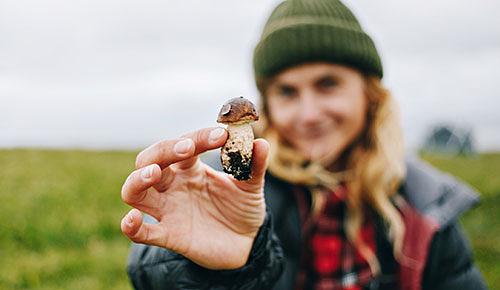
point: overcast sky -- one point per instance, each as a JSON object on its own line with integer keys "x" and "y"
{"x": 123, "y": 74}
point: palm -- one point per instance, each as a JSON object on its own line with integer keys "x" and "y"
{"x": 209, "y": 217}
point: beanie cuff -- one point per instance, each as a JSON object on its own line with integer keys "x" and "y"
{"x": 307, "y": 39}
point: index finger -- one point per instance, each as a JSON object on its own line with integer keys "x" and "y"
{"x": 167, "y": 152}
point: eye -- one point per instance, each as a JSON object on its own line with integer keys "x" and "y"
{"x": 326, "y": 83}
{"x": 286, "y": 91}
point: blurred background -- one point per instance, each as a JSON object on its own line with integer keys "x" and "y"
{"x": 86, "y": 84}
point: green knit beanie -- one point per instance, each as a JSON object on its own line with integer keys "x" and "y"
{"x": 300, "y": 31}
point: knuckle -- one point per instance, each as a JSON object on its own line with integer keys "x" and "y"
{"x": 140, "y": 236}
{"x": 136, "y": 239}
{"x": 197, "y": 137}
{"x": 139, "y": 160}
{"x": 201, "y": 136}
{"x": 126, "y": 190}
{"x": 126, "y": 196}
{"x": 161, "y": 149}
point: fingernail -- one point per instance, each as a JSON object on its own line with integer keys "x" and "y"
{"x": 147, "y": 172}
{"x": 215, "y": 135}
{"x": 183, "y": 146}
{"x": 129, "y": 220}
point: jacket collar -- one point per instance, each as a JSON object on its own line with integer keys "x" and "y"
{"x": 436, "y": 194}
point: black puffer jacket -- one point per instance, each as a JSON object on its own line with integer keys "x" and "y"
{"x": 434, "y": 200}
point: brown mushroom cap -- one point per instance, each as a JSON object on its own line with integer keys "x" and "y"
{"x": 238, "y": 110}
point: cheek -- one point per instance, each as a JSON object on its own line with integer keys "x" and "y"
{"x": 357, "y": 118}
{"x": 356, "y": 125}
{"x": 350, "y": 118}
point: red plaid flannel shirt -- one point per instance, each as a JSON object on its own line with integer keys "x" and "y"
{"x": 330, "y": 261}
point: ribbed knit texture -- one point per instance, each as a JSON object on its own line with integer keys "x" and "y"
{"x": 300, "y": 31}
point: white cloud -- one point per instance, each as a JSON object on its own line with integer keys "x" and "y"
{"x": 123, "y": 73}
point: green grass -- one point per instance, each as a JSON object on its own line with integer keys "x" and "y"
{"x": 482, "y": 223}
{"x": 60, "y": 213}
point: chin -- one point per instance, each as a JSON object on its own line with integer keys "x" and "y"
{"x": 313, "y": 152}
{"x": 327, "y": 155}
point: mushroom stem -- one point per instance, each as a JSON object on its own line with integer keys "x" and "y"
{"x": 236, "y": 154}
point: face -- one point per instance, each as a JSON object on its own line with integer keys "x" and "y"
{"x": 318, "y": 108}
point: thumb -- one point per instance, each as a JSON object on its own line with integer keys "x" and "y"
{"x": 260, "y": 156}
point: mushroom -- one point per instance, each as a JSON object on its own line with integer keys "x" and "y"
{"x": 236, "y": 154}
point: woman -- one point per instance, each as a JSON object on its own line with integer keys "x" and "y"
{"x": 342, "y": 207}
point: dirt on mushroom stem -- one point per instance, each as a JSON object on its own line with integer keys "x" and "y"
{"x": 236, "y": 154}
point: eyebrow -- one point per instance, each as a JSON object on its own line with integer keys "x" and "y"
{"x": 326, "y": 75}
{"x": 279, "y": 84}
{"x": 322, "y": 76}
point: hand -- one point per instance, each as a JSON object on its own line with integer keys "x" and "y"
{"x": 207, "y": 216}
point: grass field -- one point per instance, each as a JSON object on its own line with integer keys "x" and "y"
{"x": 60, "y": 213}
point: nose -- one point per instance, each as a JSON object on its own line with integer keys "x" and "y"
{"x": 310, "y": 110}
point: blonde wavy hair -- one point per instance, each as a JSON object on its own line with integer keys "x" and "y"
{"x": 374, "y": 171}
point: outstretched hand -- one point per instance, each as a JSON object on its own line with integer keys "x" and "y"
{"x": 207, "y": 216}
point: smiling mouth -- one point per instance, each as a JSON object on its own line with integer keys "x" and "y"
{"x": 313, "y": 134}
